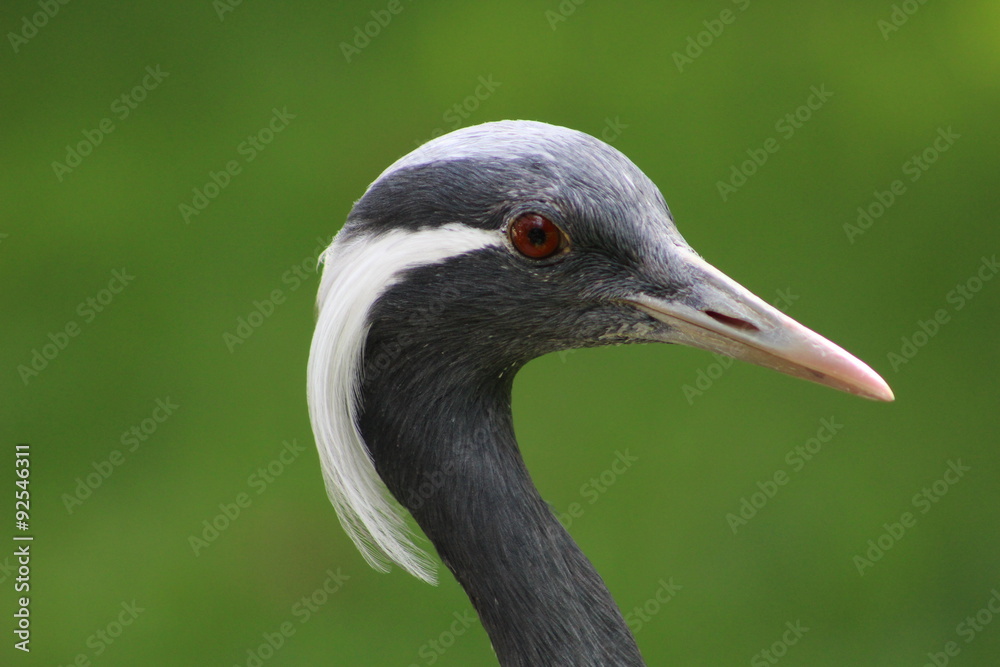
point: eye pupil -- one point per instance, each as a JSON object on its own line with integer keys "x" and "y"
{"x": 536, "y": 236}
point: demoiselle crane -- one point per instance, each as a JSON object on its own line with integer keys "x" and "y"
{"x": 465, "y": 259}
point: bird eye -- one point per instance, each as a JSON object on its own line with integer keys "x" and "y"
{"x": 536, "y": 236}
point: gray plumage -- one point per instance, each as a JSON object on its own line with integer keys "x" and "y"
{"x": 460, "y": 310}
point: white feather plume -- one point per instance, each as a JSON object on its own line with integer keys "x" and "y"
{"x": 357, "y": 269}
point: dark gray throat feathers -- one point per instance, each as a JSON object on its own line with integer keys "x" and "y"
{"x": 437, "y": 421}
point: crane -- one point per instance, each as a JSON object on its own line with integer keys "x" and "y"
{"x": 465, "y": 259}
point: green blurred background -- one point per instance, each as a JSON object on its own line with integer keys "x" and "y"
{"x": 609, "y": 69}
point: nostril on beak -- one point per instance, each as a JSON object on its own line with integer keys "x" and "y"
{"x": 733, "y": 322}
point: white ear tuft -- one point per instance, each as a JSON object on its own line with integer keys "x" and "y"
{"x": 357, "y": 270}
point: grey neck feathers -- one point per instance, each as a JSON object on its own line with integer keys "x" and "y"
{"x": 441, "y": 435}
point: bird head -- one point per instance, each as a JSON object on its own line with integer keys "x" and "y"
{"x": 560, "y": 241}
{"x": 496, "y": 244}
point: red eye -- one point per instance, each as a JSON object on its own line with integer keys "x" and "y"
{"x": 535, "y": 236}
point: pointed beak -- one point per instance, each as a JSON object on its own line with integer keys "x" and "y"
{"x": 720, "y": 315}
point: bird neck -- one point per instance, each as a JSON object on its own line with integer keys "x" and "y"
{"x": 446, "y": 450}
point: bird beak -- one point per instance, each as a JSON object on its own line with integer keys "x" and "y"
{"x": 730, "y": 320}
